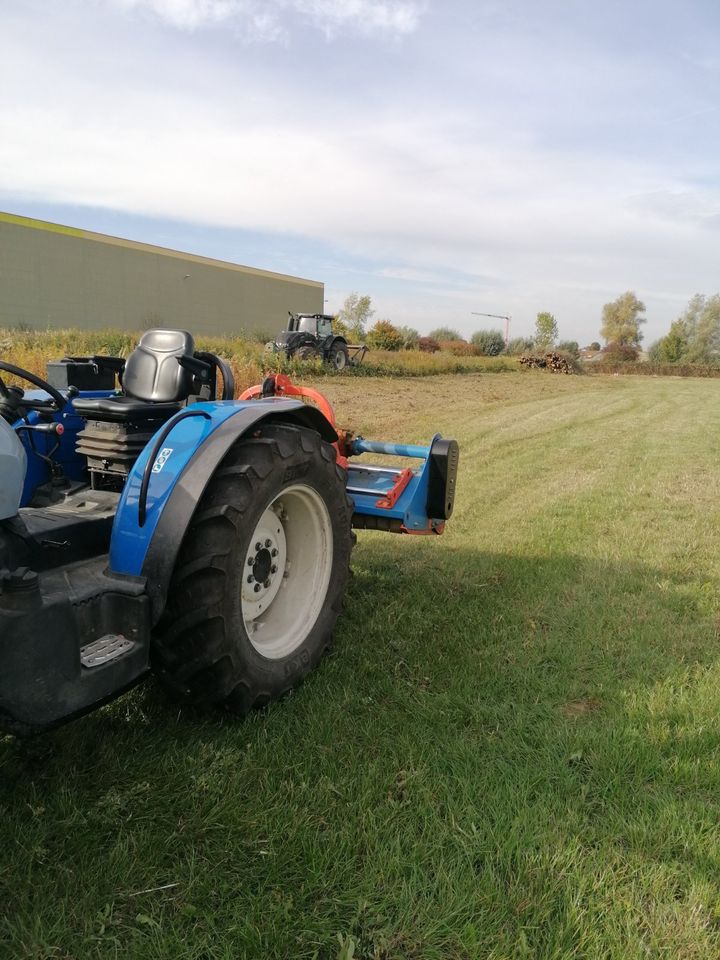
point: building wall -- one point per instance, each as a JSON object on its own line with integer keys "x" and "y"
{"x": 55, "y": 276}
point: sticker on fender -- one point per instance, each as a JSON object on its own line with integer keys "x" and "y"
{"x": 162, "y": 459}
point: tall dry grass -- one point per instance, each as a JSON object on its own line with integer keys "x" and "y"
{"x": 32, "y": 349}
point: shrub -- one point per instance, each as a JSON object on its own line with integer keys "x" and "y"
{"x": 428, "y": 345}
{"x": 459, "y": 348}
{"x": 655, "y": 351}
{"x": 594, "y": 346}
{"x": 410, "y": 338}
{"x": 384, "y": 336}
{"x": 520, "y": 345}
{"x": 620, "y": 353}
{"x": 570, "y": 347}
{"x": 489, "y": 343}
{"x": 444, "y": 333}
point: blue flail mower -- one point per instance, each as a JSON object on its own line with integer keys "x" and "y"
{"x": 401, "y": 498}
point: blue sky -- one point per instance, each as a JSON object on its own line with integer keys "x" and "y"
{"x": 443, "y": 157}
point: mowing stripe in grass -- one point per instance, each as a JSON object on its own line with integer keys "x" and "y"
{"x": 512, "y": 751}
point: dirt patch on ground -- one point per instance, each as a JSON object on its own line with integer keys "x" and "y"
{"x": 580, "y": 708}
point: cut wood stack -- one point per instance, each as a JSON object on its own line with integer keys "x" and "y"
{"x": 554, "y": 362}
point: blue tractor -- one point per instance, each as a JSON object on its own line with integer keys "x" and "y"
{"x": 150, "y": 521}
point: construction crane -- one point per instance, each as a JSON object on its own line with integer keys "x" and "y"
{"x": 498, "y": 316}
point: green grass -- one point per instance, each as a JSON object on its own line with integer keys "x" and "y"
{"x": 513, "y": 751}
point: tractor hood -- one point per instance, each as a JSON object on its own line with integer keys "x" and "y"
{"x": 282, "y": 338}
{"x": 13, "y": 463}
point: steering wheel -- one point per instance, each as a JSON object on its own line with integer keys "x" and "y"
{"x": 12, "y": 397}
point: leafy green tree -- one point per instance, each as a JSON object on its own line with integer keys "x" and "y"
{"x": 673, "y": 347}
{"x": 384, "y": 336}
{"x": 444, "y": 333}
{"x": 519, "y": 345}
{"x": 546, "y": 331}
{"x": 489, "y": 342}
{"x": 355, "y": 313}
{"x": 700, "y": 326}
{"x": 594, "y": 346}
{"x": 695, "y": 336}
{"x": 341, "y": 329}
{"x": 570, "y": 346}
{"x": 621, "y": 320}
{"x": 410, "y": 337}
{"x": 654, "y": 351}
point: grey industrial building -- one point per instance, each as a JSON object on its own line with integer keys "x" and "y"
{"x": 52, "y": 276}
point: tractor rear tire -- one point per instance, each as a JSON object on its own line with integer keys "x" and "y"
{"x": 339, "y": 356}
{"x": 306, "y": 353}
{"x": 262, "y": 571}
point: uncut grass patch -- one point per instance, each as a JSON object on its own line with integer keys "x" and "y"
{"x": 32, "y": 349}
{"x": 511, "y": 752}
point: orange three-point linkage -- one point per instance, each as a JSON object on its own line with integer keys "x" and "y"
{"x": 282, "y": 386}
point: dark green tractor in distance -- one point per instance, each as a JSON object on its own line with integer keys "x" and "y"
{"x": 310, "y": 335}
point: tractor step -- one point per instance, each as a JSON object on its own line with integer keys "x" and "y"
{"x": 61, "y": 651}
{"x": 105, "y": 649}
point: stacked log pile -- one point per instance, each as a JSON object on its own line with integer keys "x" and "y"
{"x": 554, "y": 362}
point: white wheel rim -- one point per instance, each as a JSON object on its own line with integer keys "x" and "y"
{"x": 340, "y": 360}
{"x": 286, "y": 571}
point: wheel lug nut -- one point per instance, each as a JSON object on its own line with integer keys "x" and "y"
{"x": 250, "y": 578}
{"x": 257, "y": 588}
{"x": 273, "y": 552}
{"x": 268, "y": 543}
{"x": 251, "y": 561}
{"x": 273, "y": 569}
{"x": 266, "y": 584}
{"x": 258, "y": 546}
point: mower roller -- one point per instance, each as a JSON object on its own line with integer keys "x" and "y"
{"x": 163, "y": 525}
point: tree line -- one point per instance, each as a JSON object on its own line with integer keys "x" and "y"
{"x": 693, "y": 338}
{"x": 354, "y": 318}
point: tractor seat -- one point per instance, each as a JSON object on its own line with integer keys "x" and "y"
{"x": 155, "y": 385}
{"x": 124, "y": 409}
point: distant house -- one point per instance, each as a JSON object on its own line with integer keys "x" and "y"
{"x": 57, "y": 276}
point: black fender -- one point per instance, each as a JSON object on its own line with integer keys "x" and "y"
{"x": 301, "y": 339}
{"x": 330, "y": 342}
{"x": 181, "y": 504}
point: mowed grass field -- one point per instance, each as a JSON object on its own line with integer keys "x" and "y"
{"x": 512, "y": 752}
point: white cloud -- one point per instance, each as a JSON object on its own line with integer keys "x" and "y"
{"x": 484, "y": 210}
{"x": 268, "y": 19}
{"x": 701, "y": 207}
{"x": 535, "y": 227}
{"x": 393, "y": 16}
{"x": 477, "y": 187}
{"x": 412, "y": 274}
{"x": 186, "y": 14}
